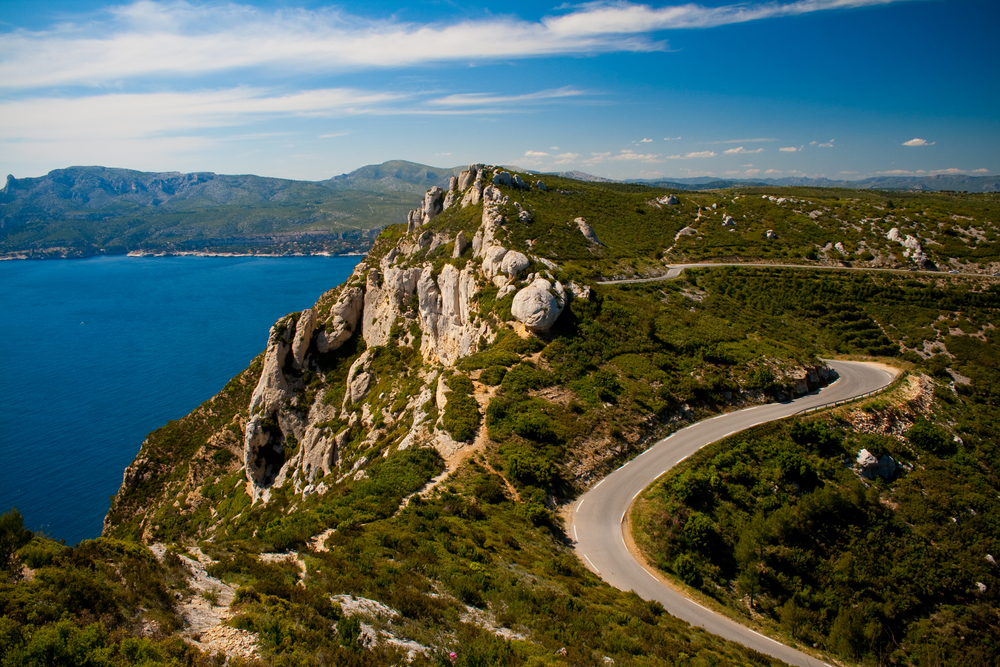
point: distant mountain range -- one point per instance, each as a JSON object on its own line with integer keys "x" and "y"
{"x": 957, "y": 182}
{"x": 83, "y": 211}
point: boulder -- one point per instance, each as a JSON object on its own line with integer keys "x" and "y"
{"x": 541, "y": 186}
{"x": 539, "y": 305}
{"x": 513, "y": 263}
{"x": 492, "y": 260}
{"x": 517, "y": 182}
{"x": 465, "y": 180}
{"x": 840, "y": 248}
{"x": 886, "y": 467}
{"x": 728, "y": 221}
{"x": 474, "y": 194}
{"x": 894, "y": 235}
{"x": 771, "y": 234}
{"x": 587, "y": 231}
{"x": 687, "y": 231}
{"x": 502, "y": 178}
{"x": 867, "y": 464}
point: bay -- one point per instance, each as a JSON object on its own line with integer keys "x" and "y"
{"x": 96, "y": 353}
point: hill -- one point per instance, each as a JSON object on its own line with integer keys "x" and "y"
{"x": 83, "y": 211}
{"x": 388, "y": 481}
{"x": 936, "y": 183}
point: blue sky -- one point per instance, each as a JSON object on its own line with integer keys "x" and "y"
{"x": 308, "y": 90}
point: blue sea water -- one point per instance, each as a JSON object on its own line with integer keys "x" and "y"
{"x": 96, "y": 353}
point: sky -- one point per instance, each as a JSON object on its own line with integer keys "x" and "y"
{"x": 842, "y": 89}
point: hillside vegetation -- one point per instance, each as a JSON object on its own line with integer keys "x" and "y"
{"x": 385, "y": 483}
{"x": 83, "y": 211}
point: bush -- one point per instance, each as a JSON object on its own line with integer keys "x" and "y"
{"x": 461, "y": 412}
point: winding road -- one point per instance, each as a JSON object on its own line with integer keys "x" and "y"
{"x": 674, "y": 270}
{"x": 598, "y": 519}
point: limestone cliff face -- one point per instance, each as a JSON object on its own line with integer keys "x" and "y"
{"x": 395, "y": 297}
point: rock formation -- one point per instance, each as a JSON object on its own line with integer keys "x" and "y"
{"x": 587, "y": 231}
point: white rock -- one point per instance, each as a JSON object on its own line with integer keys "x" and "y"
{"x": 345, "y": 312}
{"x": 541, "y": 186}
{"x": 304, "y": 329}
{"x": 492, "y": 260}
{"x": 271, "y": 389}
{"x": 840, "y": 248}
{"x": 461, "y": 244}
{"x": 433, "y": 204}
{"x": 505, "y": 290}
{"x": 587, "y": 231}
{"x": 502, "y": 178}
{"x": 539, "y": 305}
{"x": 513, "y": 263}
{"x": 465, "y": 179}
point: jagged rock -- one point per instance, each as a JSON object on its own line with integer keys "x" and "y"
{"x": 893, "y": 235}
{"x": 502, "y": 178}
{"x": 587, "y": 231}
{"x": 461, "y": 244}
{"x": 475, "y": 193}
{"x": 505, "y": 290}
{"x": 433, "y": 204}
{"x": 578, "y": 291}
{"x": 452, "y": 183}
{"x": 412, "y": 220}
{"x": 445, "y": 322}
{"x": 517, "y": 182}
{"x": 687, "y": 231}
{"x": 304, "y": 329}
{"x": 387, "y": 297}
{"x": 477, "y": 242}
{"x": 539, "y": 305}
{"x": 424, "y": 241}
{"x": 669, "y": 200}
{"x": 840, "y": 248}
{"x": 728, "y": 221}
{"x": 465, "y": 179}
{"x": 359, "y": 386}
{"x": 513, "y": 263}
{"x": 541, "y": 186}
{"x": 449, "y": 199}
{"x": 771, "y": 234}
{"x": 263, "y": 454}
{"x": 345, "y": 314}
{"x": 271, "y": 389}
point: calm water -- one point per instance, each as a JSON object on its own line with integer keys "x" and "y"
{"x": 96, "y": 353}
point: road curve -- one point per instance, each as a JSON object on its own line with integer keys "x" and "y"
{"x": 674, "y": 270}
{"x": 598, "y": 525}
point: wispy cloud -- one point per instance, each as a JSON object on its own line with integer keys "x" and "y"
{"x": 919, "y": 142}
{"x": 697, "y": 154}
{"x": 127, "y": 115}
{"x": 741, "y": 151}
{"x": 535, "y": 154}
{"x": 178, "y": 39}
{"x": 951, "y": 171}
{"x": 828, "y": 144}
{"x": 486, "y": 99}
{"x": 626, "y": 155}
{"x": 744, "y": 141}
{"x": 566, "y": 158}
{"x": 671, "y": 138}
{"x": 645, "y": 141}
{"x": 790, "y": 149}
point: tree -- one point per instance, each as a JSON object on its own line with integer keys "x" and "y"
{"x": 13, "y": 536}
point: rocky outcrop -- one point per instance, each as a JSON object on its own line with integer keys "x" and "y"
{"x": 461, "y": 245}
{"x": 539, "y": 305}
{"x": 272, "y": 387}
{"x": 870, "y": 467}
{"x": 343, "y": 321}
{"x": 587, "y": 231}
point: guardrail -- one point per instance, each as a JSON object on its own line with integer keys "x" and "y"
{"x": 834, "y": 404}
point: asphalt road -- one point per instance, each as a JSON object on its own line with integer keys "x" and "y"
{"x": 598, "y": 518}
{"x": 674, "y": 270}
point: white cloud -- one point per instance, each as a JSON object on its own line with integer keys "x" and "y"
{"x": 128, "y": 115}
{"x": 625, "y": 155}
{"x": 919, "y": 142}
{"x": 697, "y": 154}
{"x": 646, "y": 141}
{"x": 790, "y": 149}
{"x": 483, "y": 99}
{"x": 828, "y": 144}
{"x": 535, "y": 154}
{"x": 566, "y": 158}
{"x": 333, "y": 135}
{"x": 553, "y": 148}
{"x": 773, "y": 172}
{"x": 149, "y": 39}
{"x": 744, "y": 141}
{"x": 671, "y": 138}
{"x": 741, "y": 151}
{"x": 980, "y": 171}
{"x": 951, "y": 171}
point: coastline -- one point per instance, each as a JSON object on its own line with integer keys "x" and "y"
{"x": 175, "y": 253}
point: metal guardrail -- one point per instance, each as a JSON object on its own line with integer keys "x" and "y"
{"x": 834, "y": 404}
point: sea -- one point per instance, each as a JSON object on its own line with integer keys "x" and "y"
{"x": 96, "y": 353}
